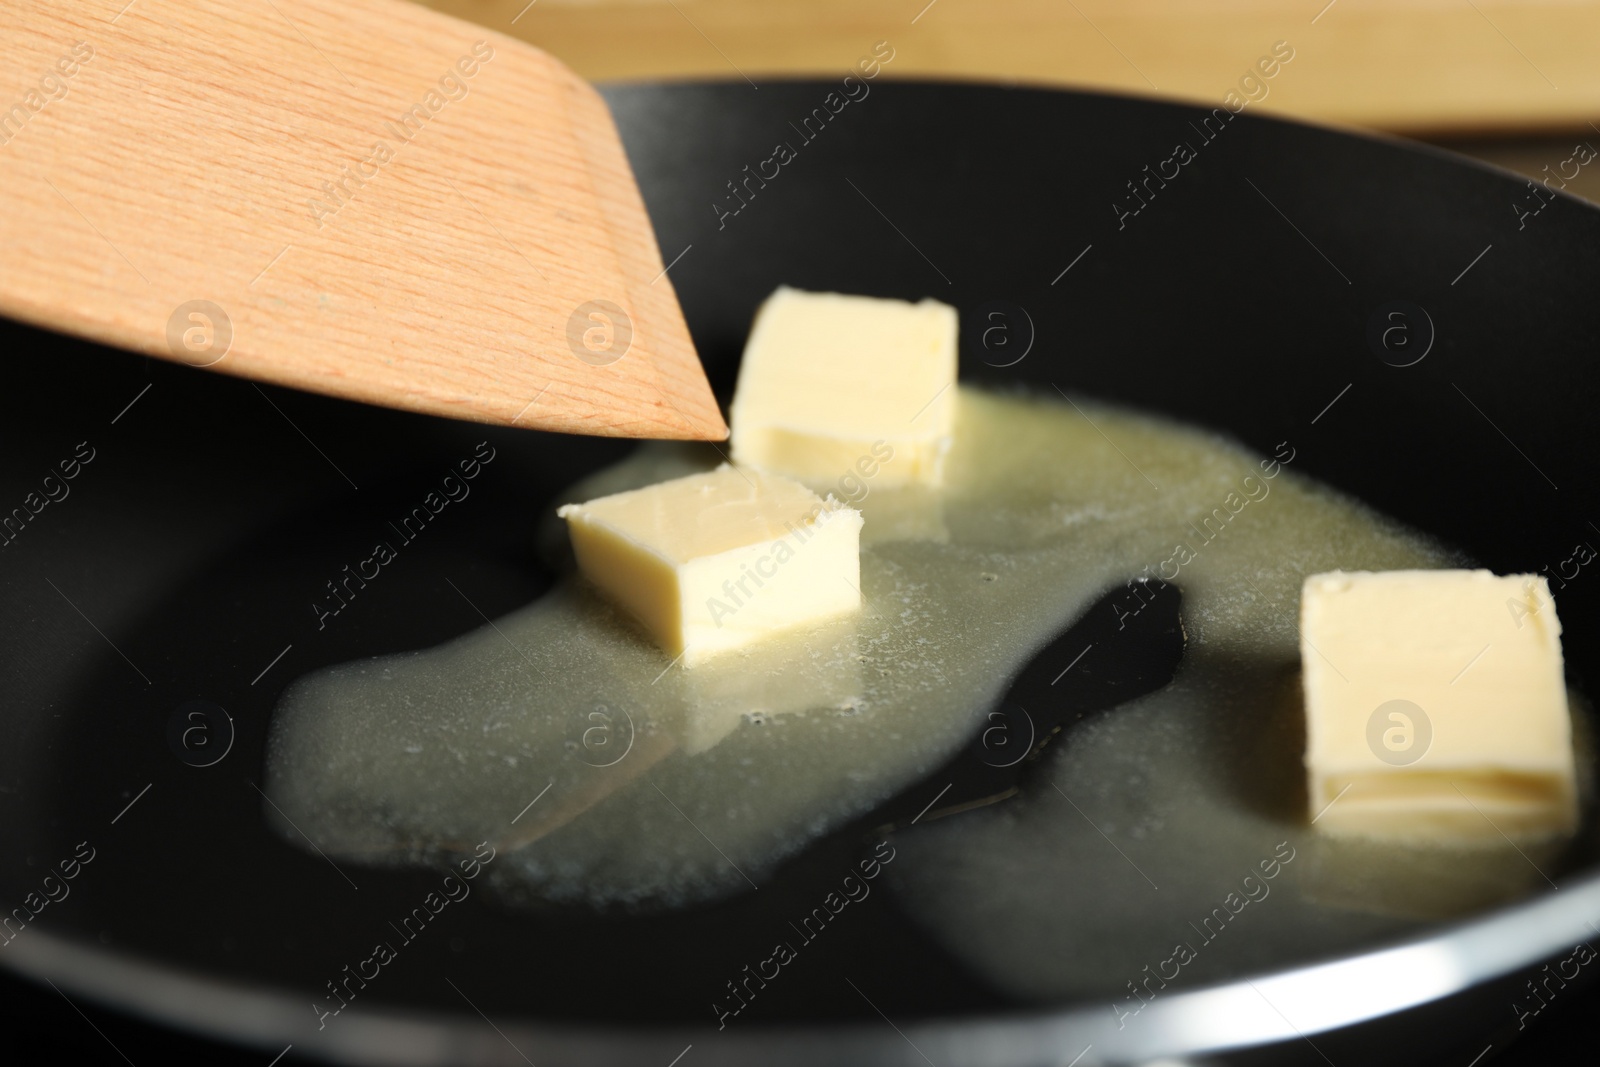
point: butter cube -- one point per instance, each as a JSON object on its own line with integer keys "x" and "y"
{"x": 826, "y": 378}
{"x": 1435, "y": 706}
{"x": 718, "y": 560}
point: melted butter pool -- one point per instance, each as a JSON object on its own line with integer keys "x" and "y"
{"x": 608, "y": 775}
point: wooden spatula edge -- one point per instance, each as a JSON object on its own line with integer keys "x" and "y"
{"x": 199, "y": 183}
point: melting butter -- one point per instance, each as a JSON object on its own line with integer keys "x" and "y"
{"x": 667, "y": 786}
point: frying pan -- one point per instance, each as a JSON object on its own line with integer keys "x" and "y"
{"x": 1253, "y": 292}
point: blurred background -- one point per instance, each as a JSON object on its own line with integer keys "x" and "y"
{"x": 1512, "y": 82}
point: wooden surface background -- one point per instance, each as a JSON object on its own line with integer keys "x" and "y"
{"x": 1420, "y": 67}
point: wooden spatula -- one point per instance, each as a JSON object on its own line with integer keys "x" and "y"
{"x": 366, "y": 199}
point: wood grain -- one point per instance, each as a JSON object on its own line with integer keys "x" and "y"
{"x": 1411, "y": 66}
{"x": 386, "y": 204}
